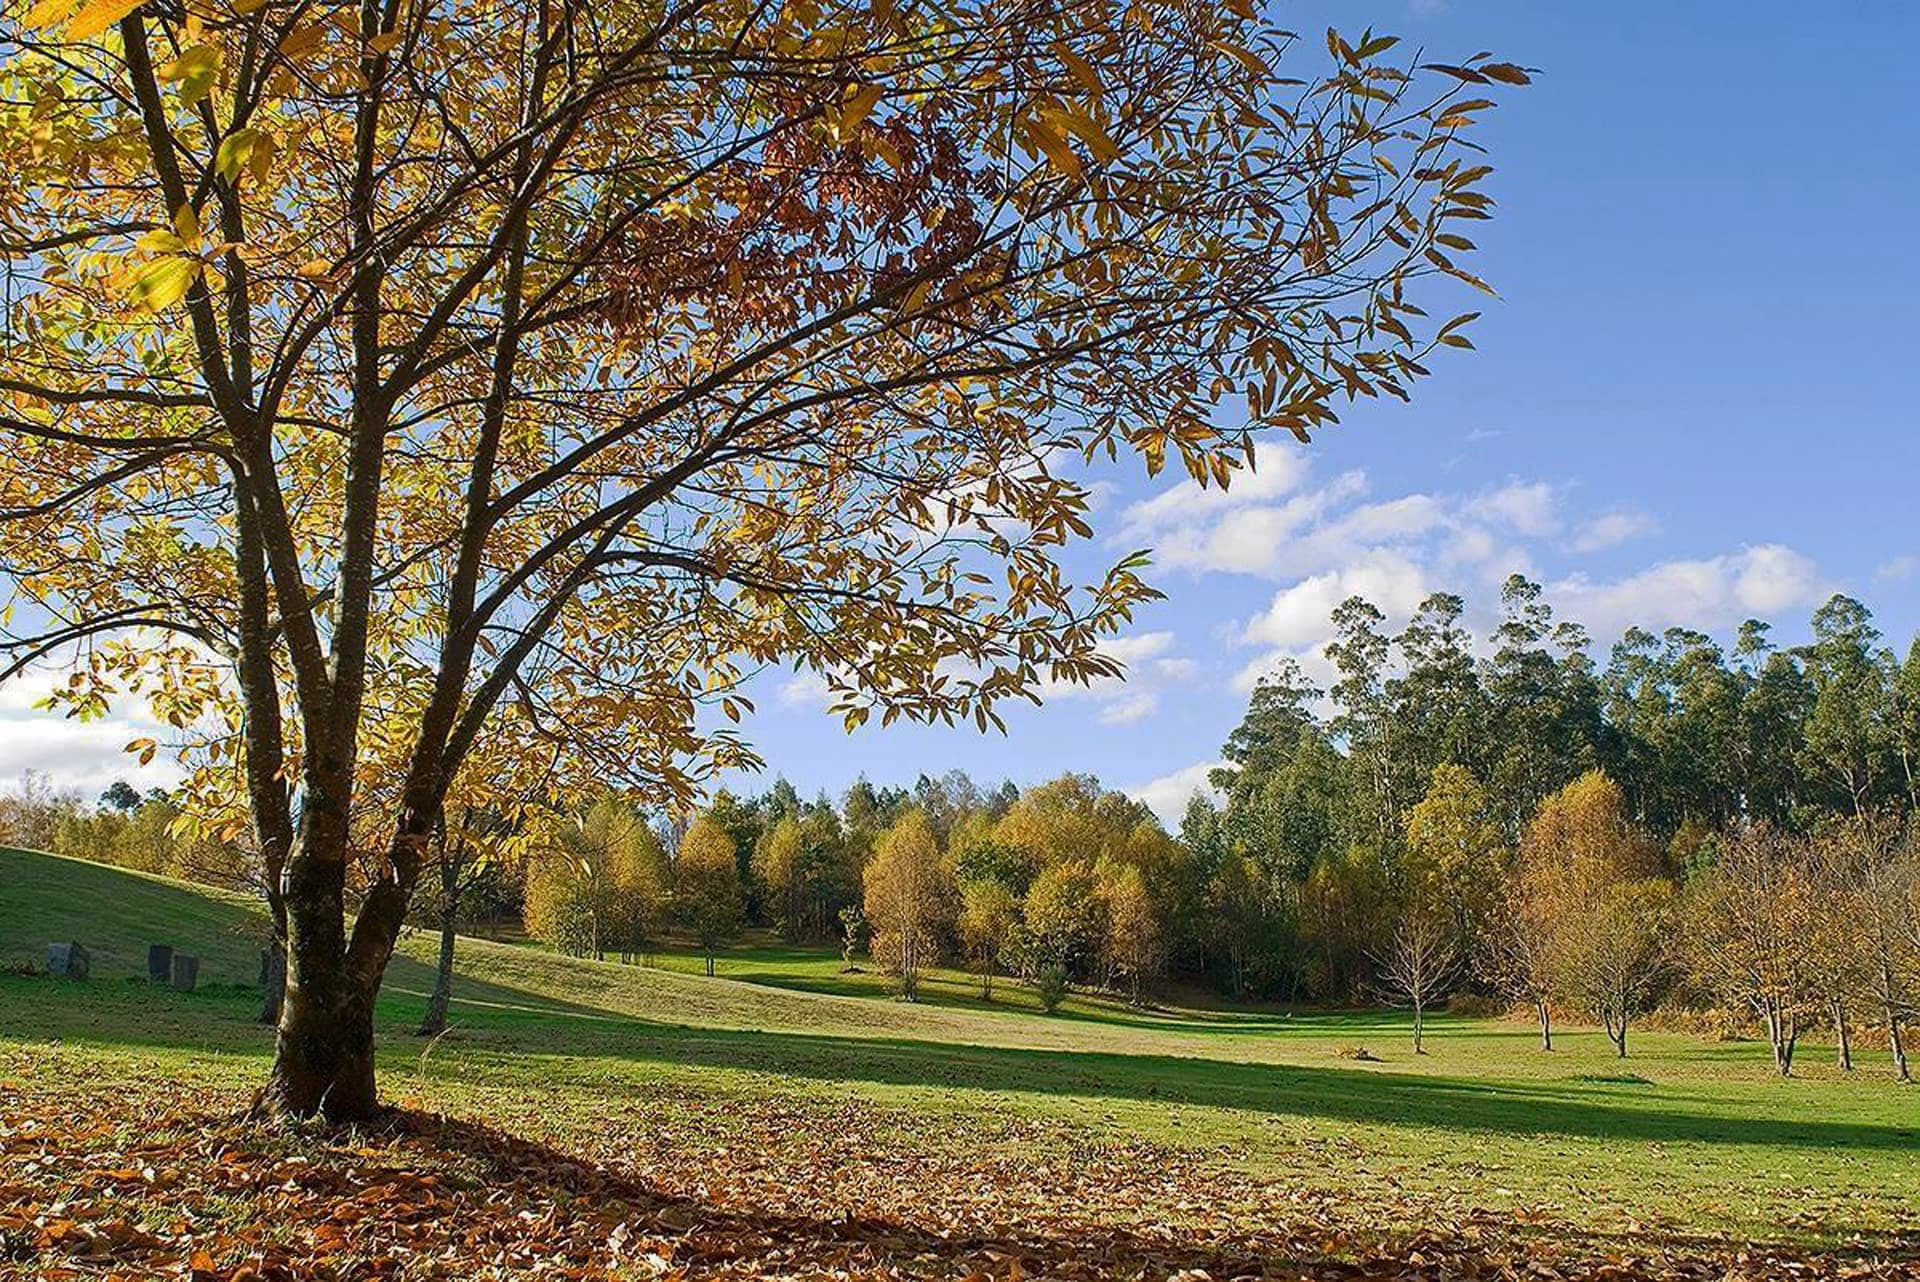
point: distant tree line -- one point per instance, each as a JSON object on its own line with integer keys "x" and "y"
{"x": 1726, "y": 831}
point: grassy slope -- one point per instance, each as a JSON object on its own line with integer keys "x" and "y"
{"x": 1687, "y": 1135}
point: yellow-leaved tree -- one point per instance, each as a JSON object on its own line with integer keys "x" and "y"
{"x": 459, "y": 369}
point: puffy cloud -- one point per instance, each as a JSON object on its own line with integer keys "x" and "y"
{"x": 1298, "y": 615}
{"x": 1711, "y": 592}
{"x": 1168, "y": 795}
{"x": 804, "y": 690}
{"x": 1280, "y": 472}
{"x": 86, "y": 756}
{"x": 1611, "y": 529}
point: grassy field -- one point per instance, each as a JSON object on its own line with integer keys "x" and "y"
{"x": 781, "y": 1056}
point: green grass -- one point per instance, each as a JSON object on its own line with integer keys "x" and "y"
{"x": 1687, "y": 1136}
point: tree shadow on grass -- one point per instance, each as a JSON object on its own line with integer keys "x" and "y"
{"x": 877, "y": 1242}
{"x": 1377, "y": 1097}
{"x": 526, "y": 1035}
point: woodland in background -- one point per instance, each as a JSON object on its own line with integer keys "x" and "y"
{"x": 1721, "y": 832}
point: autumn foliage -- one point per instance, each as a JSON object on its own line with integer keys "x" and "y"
{"x": 382, "y": 413}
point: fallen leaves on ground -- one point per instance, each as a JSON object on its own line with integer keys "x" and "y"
{"x": 124, "y": 1185}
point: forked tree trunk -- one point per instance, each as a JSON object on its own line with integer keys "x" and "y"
{"x": 323, "y": 1054}
{"x": 1546, "y": 1024}
{"x": 1616, "y": 1032}
{"x": 1782, "y": 1037}
{"x": 323, "y": 1051}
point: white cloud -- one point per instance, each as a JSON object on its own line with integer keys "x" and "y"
{"x": 84, "y": 756}
{"x": 1528, "y": 507}
{"x": 1168, "y": 795}
{"x": 1134, "y": 707}
{"x": 1613, "y": 528}
{"x": 1298, "y": 615}
{"x": 804, "y": 690}
{"x": 1709, "y": 593}
{"x": 1280, "y": 471}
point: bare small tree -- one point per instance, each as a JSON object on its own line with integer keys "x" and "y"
{"x": 1884, "y": 909}
{"x": 1421, "y": 964}
{"x": 1751, "y": 916}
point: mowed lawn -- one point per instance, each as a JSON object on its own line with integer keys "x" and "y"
{"x": 1687, "y": 1136}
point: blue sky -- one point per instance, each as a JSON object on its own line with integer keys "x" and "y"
{"x": 1689, "y": 404}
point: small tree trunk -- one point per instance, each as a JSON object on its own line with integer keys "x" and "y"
{"x": 1843, "y": 1052}
{"x": 435, "y": 1021}
{"x": 1617, "y": 1033}
{"x": 1546, "y": 1024}
{"x": 1776, "y": 1041}
{"x": 1898, "y": 1047}
{"x": 1418, "y": 1027}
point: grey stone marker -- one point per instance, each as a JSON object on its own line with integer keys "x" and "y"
{"x": 186, "y": 971}
{"x": 160, "y": 963}
{"x": 69, "y": 959}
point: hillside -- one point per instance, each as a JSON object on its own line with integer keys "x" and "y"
{"x": 781, "y": 1056}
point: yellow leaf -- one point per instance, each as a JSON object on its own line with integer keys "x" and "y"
{"x": 1048, "y": 140}
{"x": 96, "y": 16}
{"x": 160, "y": 284}
{"x": 1086, "y": 129}
{"x": 186, "y": 224}
{"x": 315, "y": 268}
{"x": 385, "y": 41}
{"x": 1080, "y": 69}
{"x": 159, "y": 241}
{"x": 196, "y": 70}
{"x": 235, "y": 150}
{"x": 302, "y": 40}
{"x": 858, "y": 107}
{"x": 46, "y": 13}
{"x": 1246, "y": 57}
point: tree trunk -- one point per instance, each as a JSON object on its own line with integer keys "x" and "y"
{"x": 1418, "y": 1028}
{"x": 1898, "y": 1047}
{"x": 1843, "y": 1052}
{"x": 1546, "y": 1025}
{"x": 435, "y": 1021}
{"x": 323, "y": 1054}
{"x": 273, "y": 981}
{"x": 1617, "y": 1033}
{"x": 1781, "y": 1042}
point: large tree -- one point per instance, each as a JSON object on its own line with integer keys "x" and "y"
{"x": 576, "y": 360}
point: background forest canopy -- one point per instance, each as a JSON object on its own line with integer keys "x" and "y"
{"x": 1506, "y": 817}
